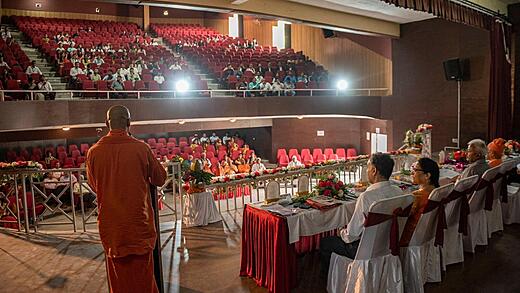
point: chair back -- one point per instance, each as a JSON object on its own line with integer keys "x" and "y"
{"x": 507, "y": 165}
{"x": 375, "y": 240}
{"x": 303, "y": 183}
{"x": 452, "y": 209}
{"x": 426, "y": 227}
{"x": 272, "y": 190}
{"x": 478, "y": 199}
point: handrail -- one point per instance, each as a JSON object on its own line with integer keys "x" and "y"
{"x": 209, "y": 93}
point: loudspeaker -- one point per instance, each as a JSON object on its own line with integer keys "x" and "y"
{"x": 328, "y": 33}
{"x": 454, "y": 69}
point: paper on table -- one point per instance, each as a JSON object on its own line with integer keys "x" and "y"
{"x": 278, "y": 209}
{"x": 447, "y": 173}
{"x": 512, "y": 189}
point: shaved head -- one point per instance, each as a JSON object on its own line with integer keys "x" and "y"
{"x": 118, "y": 117}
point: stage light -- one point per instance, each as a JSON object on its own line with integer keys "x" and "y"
{"x": 165, "y": 12}
{"x": 182, "y": 85}
{"x": 300, "y": 116}
{"x": 232, "y": 120}
{"x": 182, "y": 122}
{"x": 342, "y": 84}
{"x": 65, "y": 128}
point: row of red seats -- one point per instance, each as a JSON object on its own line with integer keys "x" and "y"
{"x": 318, "y": 155}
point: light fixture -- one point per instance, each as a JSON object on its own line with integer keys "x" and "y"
{"x": 38, "y": 5}
{"x": 300, "y": 116}
{"x": 182, "y": 85}
{"x": 342, "y": 84}
{"x": 182, "y": 122}
{"x": 165, "y": 12}
{"x": 98, "y": 10}
{"x": 233, "y": 120}
{"x": 65, "y": 128}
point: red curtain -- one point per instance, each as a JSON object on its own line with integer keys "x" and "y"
{"x": 499, "y": 108}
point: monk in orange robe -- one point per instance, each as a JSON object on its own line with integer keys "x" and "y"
{"x": 496, "y": 152}
{"x": 120, "y": 170}
{"x": 426, "y": 174}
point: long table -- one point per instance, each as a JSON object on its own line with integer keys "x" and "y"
{"x": 270, "y": 242}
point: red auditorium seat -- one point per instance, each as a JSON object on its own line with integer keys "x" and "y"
{"x": 24, "y": 153}
{"x": 153, "y": 86}
{"x": 332, "y": 157}
{"x": 62, "y": 156}
{"x": 320, "y": 158}
{"x": 176, "y": 151}
{"x": 80, "y": 160}
{"x": 221, "y": 155}
{"x": 75, "y": 154}
{"x": 283, "y": 160}
{"x": 128, "y": 85}
{"x": 11, "y": 156}
{"x": 172, "y": 139}
{"x": 293, "y": 152}
{"x": 36, "y": 158}
{"x": 50, "y": 149}
{"x": 88, "y": 85}
{"x": 305, "y": 152}
{"x": 151, "y": 141}
{"x": 102, "y": 85}
{"x": 340, "y": 152}
{"x": 184, "y": 156}
{"x": 210, "y": 155}
{"x": 69, "y": 163}
{"x": 170, "y": 145}
{"x": 351, "y": 152}
{"x": 210, "y": 148}
{"x": 248, "y": 154}
{"x": 327, "y": 152}
{"x": 163, "y": 151}
{"x": 72, "y": 147}
{"x": 188, "y": 150}
{"x": 61, "y": 149}
{"x": 139, "y": 85}
{"x": 280, "y": 152}
{"x": 161, "y": 140}
{"x": 316, "y": 153}
{"x": 183, "y": 139}
{"x": 196, "y": 155}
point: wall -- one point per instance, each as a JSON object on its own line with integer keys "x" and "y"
{"x": 421, "y": 93}
{"x": 364, "y": 61}
{"x": 176, "y": 16}
{"x": 218, "y": 21}
{"x": 259, "y": 29}
{"x": 73, "y": 9}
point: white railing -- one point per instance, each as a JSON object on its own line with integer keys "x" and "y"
{"x": 26, "y": 186}
{"x": 221, "y": 93}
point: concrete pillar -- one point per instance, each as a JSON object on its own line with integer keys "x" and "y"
{"x": 146, "y": 17}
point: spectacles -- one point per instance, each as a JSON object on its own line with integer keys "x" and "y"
{"x": 414, "y": 170}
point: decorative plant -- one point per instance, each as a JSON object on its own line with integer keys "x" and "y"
{"x": 330, "y": 185}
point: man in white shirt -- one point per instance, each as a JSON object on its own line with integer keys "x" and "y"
{"x": 258, "y": 166}
{"x": 74, "y": 71}
{"x": 379, "y": 170}
{"x": 213, "y": 138}
{"x": 33, "y": 69}
{"x": 294, "y": 163}
{"x": 159, "y": 78}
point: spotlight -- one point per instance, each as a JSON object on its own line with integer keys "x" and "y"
{"x": 300, "y": 116}
{"x": 182, "y": 85}
{"x": 65, "y": 128}
{"x": 182, "y": 122}
{"x": 342, "y": 85}
{"x": 232, "y": 120}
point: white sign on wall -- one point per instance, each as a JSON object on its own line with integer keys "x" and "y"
{"x": 320, "y": 133}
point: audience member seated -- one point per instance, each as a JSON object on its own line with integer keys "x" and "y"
{"x": 496, "y": 152}
{"x": 294, "y": 163}
{"x": 258, "y": 166}
{"x": 242, "y": 164}
{"x": 33, "y": 69}
{"x": 476, "y": 156}
{"x": 379, "y": 170}
{"x": 425, "y": 173}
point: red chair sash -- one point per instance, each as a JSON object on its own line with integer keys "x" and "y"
{"x": 490, "y": 191}
{"x": 373, "y": 219}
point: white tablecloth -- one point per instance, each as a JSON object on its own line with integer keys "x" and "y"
{"x": 200, "y": 209}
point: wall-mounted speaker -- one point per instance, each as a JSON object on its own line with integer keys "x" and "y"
{"x": 456, "y": 69}
{"x": 328, "y": 33}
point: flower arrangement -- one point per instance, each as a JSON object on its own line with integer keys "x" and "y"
{"x": 511, "y": 146}
{"x": 20, "y": 165}
{"x": 412, "y": 140}
{"x": 424, "y": 127}
{"x": 329, "y": 185}
{"x": 195, "y": 179}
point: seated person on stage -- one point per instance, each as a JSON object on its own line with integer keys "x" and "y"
{"x": 425, "y": 173}
{"x": 242, "y": 165}
{"x": 294, "y": 163}
{"x": 379, "y": 170}
{"x": 258, "y": 166}
{"x": 496, "y": 152}
{"x": 477, "y": 158}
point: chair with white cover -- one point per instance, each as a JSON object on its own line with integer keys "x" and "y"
{"x": 375, "y": 268}
{"x": 494, "y": 216}
{"x": 477, "y": 219}
{"x": 511, "y": 208}
{"x": 421, "y": 259}
{"x": 452, "y": 250}
{"x": 303, "y": 183}
{"x": 272, "y": 190}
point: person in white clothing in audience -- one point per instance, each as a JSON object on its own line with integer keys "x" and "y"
{"x": 213, "y": 138}
{"x": 98, "y": 61}
{"x": 74, "y": 71}
{"x": 33, "y": 69}
{"x": 379, "y": 170}
{"x": 3, "y": 63}
{"x": 110, "y": 76}
{"x": 159, "y": 78}
{"x": 44, "y": 85}
{"x": 294, "y": 163}
{"x": 258, "y": 166}
{"x": 133, "y": 75}
{"x": 175, "y": 66}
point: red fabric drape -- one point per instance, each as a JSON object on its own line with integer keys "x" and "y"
{"x": 266, "y": 254}
{"x": 373, "y": 219}
{"x": 499, "y": 108}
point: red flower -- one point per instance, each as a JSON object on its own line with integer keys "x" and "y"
{"x": 340, "y": 183}
{"x": 322, "y": 184}
{"x": 329, "y": 183}
{"x": 337, "y": 186}
{"x": 186, "y": 187}
{"x": 257, "y": 173}
{"x": 327, "y": 192}
{"x": 226, "y": 179}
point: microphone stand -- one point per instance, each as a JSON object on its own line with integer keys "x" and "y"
{"x": 157, "y": 260}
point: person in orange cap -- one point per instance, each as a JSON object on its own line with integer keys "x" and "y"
{"x": 120, "y": 170}
{"x": 496, "y": 152}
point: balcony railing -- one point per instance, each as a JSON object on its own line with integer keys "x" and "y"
{"x": 95, "y": 94}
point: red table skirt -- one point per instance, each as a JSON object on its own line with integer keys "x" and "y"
{"x": 267, "y": 256}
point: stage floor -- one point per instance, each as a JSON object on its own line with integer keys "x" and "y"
{"x": 207, "y": 259}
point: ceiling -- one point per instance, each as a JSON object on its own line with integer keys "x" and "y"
{"x": 371, "y": 8}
